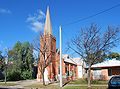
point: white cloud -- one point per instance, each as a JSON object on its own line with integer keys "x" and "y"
{"x": 37, "y": 26}
{"x": 36, "y": 21}
{"x": 5, "y": 11}
{"x": 41, "y": 15}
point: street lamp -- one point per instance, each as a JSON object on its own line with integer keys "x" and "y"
{"x": 6, "y": 62}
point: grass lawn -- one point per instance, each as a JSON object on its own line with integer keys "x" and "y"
{"x": 7, "y": 84}
{"x": 82, "y": 84}
{"x": 65, "y": 87}
{"x": 83, "y": 81}
{"x": 76, "y": 84}
{"x": 84, "y": 87}
{"x": 42, "y": 86}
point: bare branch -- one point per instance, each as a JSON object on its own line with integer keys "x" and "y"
{"x": 43, "y": 44}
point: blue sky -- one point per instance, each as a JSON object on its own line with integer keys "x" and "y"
{"x": 20, "y": 20}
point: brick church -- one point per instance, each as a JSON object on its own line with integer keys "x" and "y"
{"x": 72, "y": 67}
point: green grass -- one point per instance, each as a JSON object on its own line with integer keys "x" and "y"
{"x": 65, "y": 87}
{"x": 79, "y": 81}
{"x": 85, "y": 87}
{"x": 82, "y": 84}
{"x": 99, "y": 82}
{"x": 7, "y": 84}
{"x": 42, "y": 86}
{"x": 83, "y": 81}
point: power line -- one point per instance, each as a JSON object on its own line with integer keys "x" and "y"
{"x": 76, "y": 21}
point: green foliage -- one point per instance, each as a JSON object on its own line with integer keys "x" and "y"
{"x": 1, "y": 61}
{"x": 1, "y": 75}
{"x": 13, "y": 71}
{"x": 13, "y": 75}
{"x": 20, "y": 61}
{"x": 26, "y": 75}
{"x": 1, "y": 66}
{"x": 114, "y": 55}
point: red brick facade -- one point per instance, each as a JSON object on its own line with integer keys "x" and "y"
{"x": 50, "y": 42}
{"x": 106, "y": 73}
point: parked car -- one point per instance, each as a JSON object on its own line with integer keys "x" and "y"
{"x": 114, "y": 82}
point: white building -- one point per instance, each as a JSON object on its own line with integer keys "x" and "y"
{"x": 77, "y": 61}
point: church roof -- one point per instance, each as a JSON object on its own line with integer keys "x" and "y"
{"x": 48, "y": 26}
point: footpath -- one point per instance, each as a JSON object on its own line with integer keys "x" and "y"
{"x": 21, "y": 84}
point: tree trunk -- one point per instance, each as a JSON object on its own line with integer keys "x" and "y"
{"x": 89, "y": 77}
{"x": 43, "y": 78}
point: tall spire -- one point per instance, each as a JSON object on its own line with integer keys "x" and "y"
{"x": 48, "y": 27}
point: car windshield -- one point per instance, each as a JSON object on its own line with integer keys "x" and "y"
{"x": 115, "y": 79}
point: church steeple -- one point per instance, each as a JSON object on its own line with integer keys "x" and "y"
{"x": 48, "y": 27}
{"x": 48, "y": 41}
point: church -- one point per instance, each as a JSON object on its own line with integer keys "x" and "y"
{"x": 72, "y": 68}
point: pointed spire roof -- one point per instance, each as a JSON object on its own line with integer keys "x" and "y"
{"x": 48, "y": 27}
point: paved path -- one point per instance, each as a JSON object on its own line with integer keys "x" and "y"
{"x": 22, "y": 84}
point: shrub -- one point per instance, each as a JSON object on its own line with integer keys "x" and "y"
{"x": 1, "y": 75}
{"x": 14, "y": 75}
{"x": 26, "y": 74}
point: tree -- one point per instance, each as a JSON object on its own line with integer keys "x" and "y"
{"x": 21, "y": 59}
{"x": 42, "y": 46}
{"x": 1, "y": 61}
{"x": 92, "y": 45}
{"x": 1, "y": 65}
{"x": 114, "y": 55}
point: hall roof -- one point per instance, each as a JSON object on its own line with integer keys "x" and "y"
{"x": 76, "y": 61}
{"x": 107, "y": 63}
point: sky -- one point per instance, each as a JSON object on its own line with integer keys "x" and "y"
{"x": 21, "y": 20}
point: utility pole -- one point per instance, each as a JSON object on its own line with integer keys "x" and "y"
{"x": 60, "y": 56}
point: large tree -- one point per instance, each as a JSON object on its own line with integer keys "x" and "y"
{"x": 1, "y": 61}
{"x": 91, "y": 44}
{"x": 1, "y": 65}
{"x": 42, "y": 46}
{"x": 21, "y": 61}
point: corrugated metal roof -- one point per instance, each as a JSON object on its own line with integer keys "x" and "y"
{"x": 107, "y": 63}
{"x": 76, "y": 61}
